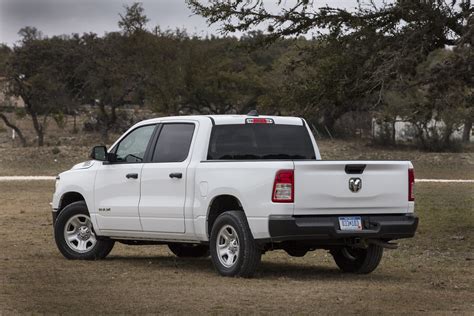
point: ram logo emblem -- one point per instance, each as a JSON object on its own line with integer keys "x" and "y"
{"x": 355, "y": 184}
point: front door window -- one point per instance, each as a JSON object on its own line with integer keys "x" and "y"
{"x": 133, "y": 146}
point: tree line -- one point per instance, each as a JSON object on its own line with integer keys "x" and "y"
{"x": 409, "y": 60}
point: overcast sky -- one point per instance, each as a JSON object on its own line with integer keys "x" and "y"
{"x": 55, "y": 17}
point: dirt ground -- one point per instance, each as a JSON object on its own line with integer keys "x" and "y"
{"x": 432, "y": 273}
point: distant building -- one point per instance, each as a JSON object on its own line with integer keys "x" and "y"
{"x": 9, "y": 100}
{"x": 405, "y": 131}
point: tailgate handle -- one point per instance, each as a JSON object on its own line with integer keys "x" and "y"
{"x": 355, "y": 169}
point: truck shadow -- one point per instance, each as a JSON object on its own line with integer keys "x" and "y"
{"x": 308, "y": 272}
{"x": 267, "y": 270}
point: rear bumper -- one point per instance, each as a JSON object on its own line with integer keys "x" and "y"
{"x": 389, "y": 227}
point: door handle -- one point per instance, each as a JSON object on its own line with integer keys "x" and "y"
{"x": 177, "y": 175}
{"x": 132, "y": 175}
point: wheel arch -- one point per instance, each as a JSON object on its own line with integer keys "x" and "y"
{"x": 68, "y": 198}
{"x": 220, "y": 204}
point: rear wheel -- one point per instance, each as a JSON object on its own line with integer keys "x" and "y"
{"x": 296, "y": 252}
{"x": 75, "y": 236}
{"x": 189, "y": 250}
{"x": 358, "y": 260}
{"x": 234, "y": 252}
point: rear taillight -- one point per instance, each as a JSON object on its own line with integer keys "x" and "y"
{"x": 284, "y": 187}
{"x": 411, "y": 184}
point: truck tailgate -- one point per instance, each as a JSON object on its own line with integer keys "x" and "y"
{"x": 322, "y": 187}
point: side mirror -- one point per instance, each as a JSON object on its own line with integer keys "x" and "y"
{"x": 99, "y": 153}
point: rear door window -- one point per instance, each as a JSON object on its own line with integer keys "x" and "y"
{"x": 173, "y": 142}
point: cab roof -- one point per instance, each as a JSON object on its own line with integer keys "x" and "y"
{"x": 228, "y": 119}
{"x": 242, "y": 119}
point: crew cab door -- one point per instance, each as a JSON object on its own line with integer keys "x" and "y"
{"x": 163, "y": 183}
{"x": 117, "y": 184}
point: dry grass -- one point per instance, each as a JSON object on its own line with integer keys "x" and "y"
{"x": 75, "y": 147}
{"x": 430, "y": 273}
{"x": 427, "y": 164}
{"x": 47, "y": 161}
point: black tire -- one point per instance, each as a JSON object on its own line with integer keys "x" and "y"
{"x": 189, "y": 250}
{"x": 102, "y": 246}
{"x": 249, "y": 254}
{"x": 358, "y": 260}
{"x": 297, "y": 252}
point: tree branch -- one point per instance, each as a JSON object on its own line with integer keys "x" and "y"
{"x": 15, "y": 128}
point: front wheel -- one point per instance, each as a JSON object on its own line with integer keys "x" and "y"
{"x": 358, "y": 260}
{"x": 75, "y": 236}
{"x": 234, "y": 252}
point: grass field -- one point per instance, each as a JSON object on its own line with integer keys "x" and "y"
{"x": 431, "y": 273}
{"x": 50, "y": 161}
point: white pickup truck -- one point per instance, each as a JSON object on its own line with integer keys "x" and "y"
{"x": 234, "y": 187}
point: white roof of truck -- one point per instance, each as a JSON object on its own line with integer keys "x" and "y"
{"x": 241, "y": 119}
{"x": 227, "y": 119}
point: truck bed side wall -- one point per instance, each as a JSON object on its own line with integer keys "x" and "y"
{"x": 251, "y": 182}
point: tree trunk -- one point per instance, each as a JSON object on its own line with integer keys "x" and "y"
{"x": 15, "y": 128}
{"x": 74, "y": 129}
{"x": 329, "y": 121}
{"x": 448, "y": 131}
{"x": 40, "y": 138}
{"x": 419, "y": 134}
{"x": 113, "y": 116}
{"x": 38, "y": 128}
{"x": 394, "y": 132}
{"x": 104, "y": 134}
{"x": 103, "y": 124}
{"x": 466, "y": 134}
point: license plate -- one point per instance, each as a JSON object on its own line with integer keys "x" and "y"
{"x": 350, "y": 223}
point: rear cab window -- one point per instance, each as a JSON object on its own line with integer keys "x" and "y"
{"x": 259, "y": 142}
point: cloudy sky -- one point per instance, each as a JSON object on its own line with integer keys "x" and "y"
{"x": 54, "y": 17}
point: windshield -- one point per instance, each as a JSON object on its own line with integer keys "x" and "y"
{"x": 260, "y": 141}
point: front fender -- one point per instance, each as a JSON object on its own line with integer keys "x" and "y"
{"x": 80, "y": 181}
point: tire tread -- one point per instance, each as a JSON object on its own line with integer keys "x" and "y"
{"x": 103, "y": 246}
{"x": 365, "y": 265}
{"x": 251, "y": 254}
